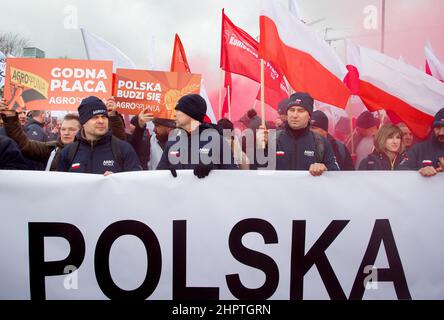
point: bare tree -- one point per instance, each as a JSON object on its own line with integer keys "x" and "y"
{"x": 13, "y": 43}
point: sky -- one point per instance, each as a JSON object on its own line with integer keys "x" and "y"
{"x": 134, "y": 26}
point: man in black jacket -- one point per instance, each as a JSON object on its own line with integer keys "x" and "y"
{"x": 319, "y": 124}
{"x": 427, "y": 157}
{"x": 96, "y": 149}
{"x": 297, "y": 148}
{"x": 34, "y": 128}
{"x": 198, "y": 146}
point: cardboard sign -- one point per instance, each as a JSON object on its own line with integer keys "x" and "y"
{"x": 156, "y": 91}
{"x": 55, "y": 84}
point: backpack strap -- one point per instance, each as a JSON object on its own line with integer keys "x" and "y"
{"x": 72, "y": 151}
{"x": 117, "y": 153}
{"x": 341, "y": 149}
{"x": 320, "y": 147}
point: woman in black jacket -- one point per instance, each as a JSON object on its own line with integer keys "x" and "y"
{"x": 387, "y": 152}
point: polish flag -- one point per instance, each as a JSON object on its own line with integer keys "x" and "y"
{"x": 433, "y": 66}
{"x": 75, "y": 165}
{"x": 179, "y": 63}
{"x": 308, "y": 62}
{"x": 388, "y": 84}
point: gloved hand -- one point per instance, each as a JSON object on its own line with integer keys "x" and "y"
{"x": 173, "y": 173}
{"x": 202, "y": 170}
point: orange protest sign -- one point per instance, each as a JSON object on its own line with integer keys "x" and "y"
{"x": 156, "y": 91}
{"x": 55, "y": 84}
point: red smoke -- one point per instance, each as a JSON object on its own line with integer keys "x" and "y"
{"x": 244, "y": 92}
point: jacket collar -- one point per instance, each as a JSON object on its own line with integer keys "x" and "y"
{"x": 103, "y": 140}
{"x": 33, "y": 121}
{"x": 297, "y": 133}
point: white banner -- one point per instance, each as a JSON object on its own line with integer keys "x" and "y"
{"x": 232, "y": 235}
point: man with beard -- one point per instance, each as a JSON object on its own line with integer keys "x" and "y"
{"x": 149, "y": 148}
{"x": 162, "y": 129}
{"x": 428, "y": 156}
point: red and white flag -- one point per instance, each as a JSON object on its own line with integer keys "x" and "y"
{"x": 308, "y": 62}
{"x": 434, "y": 67}
{"x": 389, "y": 84}
{"x": 240, "y": 55}
{"x": 179, "y": 63}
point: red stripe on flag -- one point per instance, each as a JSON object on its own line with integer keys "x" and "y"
{"x": 302, "y": 71}
{"x": 377, "y": 99}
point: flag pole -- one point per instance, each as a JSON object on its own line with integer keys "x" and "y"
{"x": 382, "y": 26}
{"x": 220, "y": 93}
{"x": 84, "y": 42}
{"x": 352, "y": 141}
{"x": 380, "y": 113}
{"x": 254, "y": 104}
{"x": 350, "y": 117}
{"x": 229, "y": 103}
{"x": 263, "y": 92}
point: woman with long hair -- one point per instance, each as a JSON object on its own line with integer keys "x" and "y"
{"x": 387, "y": 151}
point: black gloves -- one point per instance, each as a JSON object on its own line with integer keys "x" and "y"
{"x": 202, "y": 170}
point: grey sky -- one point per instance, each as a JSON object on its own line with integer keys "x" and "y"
{"x": 129, "y": 25}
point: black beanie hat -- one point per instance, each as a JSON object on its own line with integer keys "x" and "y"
{"x": 193, "y": 105}
{"x": 90, "y": 107}
{"x": 319, "y": 120}
{"x": 439, "y": 119}
{"x": 301, "y": 99}
{"x": 224, "y": 123}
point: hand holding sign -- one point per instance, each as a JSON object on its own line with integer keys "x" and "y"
{"x": 4, "y": 109}
{"x": 111, "y": 106}
{"x": 144, "y": 117}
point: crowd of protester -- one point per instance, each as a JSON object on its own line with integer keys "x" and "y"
{"x": 95, "y": 140}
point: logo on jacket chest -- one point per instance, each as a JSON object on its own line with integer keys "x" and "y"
{"x": 204, "y": 151}
{"x": 108, "y": 163}
{"x": 309, "y": 153}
